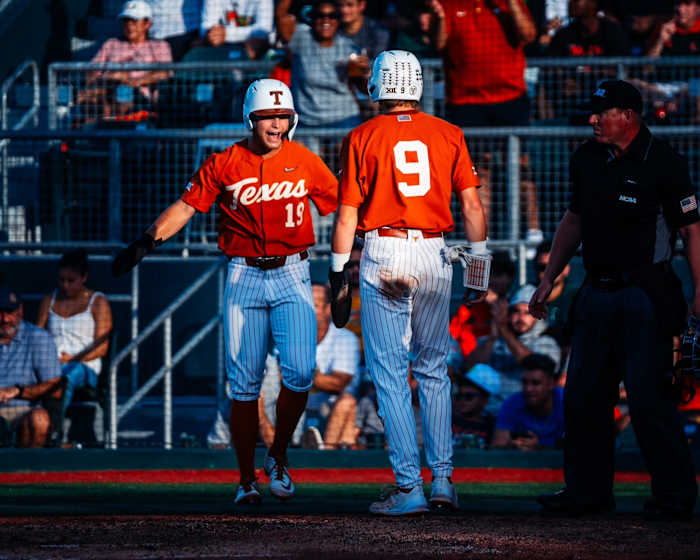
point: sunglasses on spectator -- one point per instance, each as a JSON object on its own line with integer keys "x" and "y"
{"x": 323, "y": 15}
{"x": 466, "y": 396}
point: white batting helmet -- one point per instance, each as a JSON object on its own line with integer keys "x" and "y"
{"x": 396, "y": 75}
{"x": 269, "y": 97}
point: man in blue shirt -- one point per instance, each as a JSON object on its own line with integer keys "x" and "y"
{"x": 29, "y": 371}
{"x": 533, "y": 418}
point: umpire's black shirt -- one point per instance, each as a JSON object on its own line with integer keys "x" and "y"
{"x": 630, "y": 205}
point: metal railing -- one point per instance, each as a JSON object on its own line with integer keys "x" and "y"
{"x": 116, "y": 411}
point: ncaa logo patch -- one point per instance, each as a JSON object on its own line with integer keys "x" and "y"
{"x": 189, "y": 186}
{"x": 600, "y": 92}
{"x": 688, "y": 204}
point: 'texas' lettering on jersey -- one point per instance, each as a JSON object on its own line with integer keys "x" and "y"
{"x": 246, "y": 191}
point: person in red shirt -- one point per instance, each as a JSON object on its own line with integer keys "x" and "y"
{"x": 262, "y": 186}
{"x": 398, "y": 173}
{"x": 679, "y": 36}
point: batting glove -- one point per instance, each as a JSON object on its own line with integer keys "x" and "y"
{"x": 128, "y": 258}
{"x": 341, "y": 302}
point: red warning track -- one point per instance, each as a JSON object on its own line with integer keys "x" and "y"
{"x": 317, "y": 476}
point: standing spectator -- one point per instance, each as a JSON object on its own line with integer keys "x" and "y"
{"x": 549, "y": 16}
{"x": 533, "y": 418}
{"x": 247, "y": 23}
{"x": 337, "y": 365}
{"x": 369, "y": 37}
{"x": 515, "y": 334}
{"x": 483, "y": 50}
{"x": 472, "y": 424}
{"x": 177, "y": 22}
{"x": 29, "y": 371}
{"x": 121, "y": 92}
{"x": 417, "y": 36}
{"x": 473, "y": 320}
{"x": 319, "y": 57}
{"x": 631, "y": 195}
{"x": 588, "y": 34}
{"x": 679, "y": 36}
{"x": 80, "y": 320}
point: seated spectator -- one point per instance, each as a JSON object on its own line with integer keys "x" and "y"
{"x": 534, "y": 418}
{"x": 245, "y": 23}
{"x": 178, "y": 23}
{"x": 679, "y": 36}
{"x": 472, "y": 424}
{"x": 337, "y": 364}
{"x": 588, "y": 34}
{"x": 370, "y": 427}
{"x": 29, "y": 372}
{"x": 80, "y": 321}
{"x": 319, "y": 59}
{"x": 514, "y": 335}
{"x": 472, "y": 321}
{"x": 121, "y": 92}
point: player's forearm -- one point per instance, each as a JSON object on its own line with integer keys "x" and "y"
{"x": 473, "y": 213}
{"x": 691, "y": 240}
{"x": 344, "y": 229}
{"x": 331, "y": 383}
{"x": 172, "y": 220}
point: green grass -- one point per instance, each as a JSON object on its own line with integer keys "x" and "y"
{"x": 92, "y": 499}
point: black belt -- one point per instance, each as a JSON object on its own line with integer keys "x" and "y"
{"x": 268, "y": 263}
{"x": 619, "y": 280}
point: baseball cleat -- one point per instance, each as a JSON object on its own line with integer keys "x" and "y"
{"x": 401, "y": 503}
{"x": 281, "y": 485}
{"x": 248, "y": 494}
{"x": 443, "y": 494}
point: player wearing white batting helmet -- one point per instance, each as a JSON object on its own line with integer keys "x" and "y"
{"x": 263, "y": 186}
{"x": 268, "y": 97}
{"x": 399, "y": 171}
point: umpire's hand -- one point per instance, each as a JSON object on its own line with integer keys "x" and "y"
{"x": 341, "y": 302}
{"x": 128, "y": 258}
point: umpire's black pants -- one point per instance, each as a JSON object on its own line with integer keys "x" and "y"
{"x": 616, "y": 337}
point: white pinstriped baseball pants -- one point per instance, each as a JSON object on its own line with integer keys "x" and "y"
{"x": 259, "y": 304}
{"x": 412, "y": 325}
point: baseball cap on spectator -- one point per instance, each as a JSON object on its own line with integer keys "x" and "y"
{"x": 522, "y": 295}
{"x": 616, "y": 94}
{"x": 136, "y": 9}
{"x": 9, "y": 300}
{"x": 485, "y": 378}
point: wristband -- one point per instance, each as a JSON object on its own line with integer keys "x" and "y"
{"x": 338, "y": 261}
{"x": 478, "y": 248}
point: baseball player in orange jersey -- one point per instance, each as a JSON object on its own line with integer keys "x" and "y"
{"x": 399, "y": 171}
{"x": 262, "y": 186}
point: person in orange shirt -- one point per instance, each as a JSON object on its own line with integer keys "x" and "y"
{"x": 398, "y": 173}
{"x": 262, "y": 186}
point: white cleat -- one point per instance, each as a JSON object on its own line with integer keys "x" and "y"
{"x": 281, "y": 485}
{"x": 443, "y": 494}
{"x": 401, "y": 503}
{"x": 248, "y": 494}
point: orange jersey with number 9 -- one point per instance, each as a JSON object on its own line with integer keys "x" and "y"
{"x": 400, "y": 169}
{"x": 263, "y": 202}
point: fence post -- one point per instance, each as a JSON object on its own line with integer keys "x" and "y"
{"x": 52, "y": 97}
{"x": 168, "y": 383}
{"x": 134, "y": 328}
{"x": 513, "y": 187}
{"x": 220, "y": 337}
{"x": 112, "y": 439}
{"x": 428, "y": 100}
{"x": 115, "y": 191}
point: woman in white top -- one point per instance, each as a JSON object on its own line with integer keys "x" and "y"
{"x": 80, "y": 321}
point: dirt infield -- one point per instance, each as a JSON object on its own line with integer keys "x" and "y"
{"x": 344, "y": 536}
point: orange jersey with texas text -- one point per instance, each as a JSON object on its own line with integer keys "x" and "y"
{"x": 263, "y": 203}
{"x": 400, "y": 169}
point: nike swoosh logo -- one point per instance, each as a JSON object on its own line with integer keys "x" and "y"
{"x": 289, "y": 169}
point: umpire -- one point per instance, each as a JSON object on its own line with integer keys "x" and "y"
{"x": 631, "y": 195}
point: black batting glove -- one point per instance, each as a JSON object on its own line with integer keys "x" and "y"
{"x": 128, "y": 258}
{"x": 341, "y": 302}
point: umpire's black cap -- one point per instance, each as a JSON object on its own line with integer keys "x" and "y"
{"x": 618, "y": 94}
